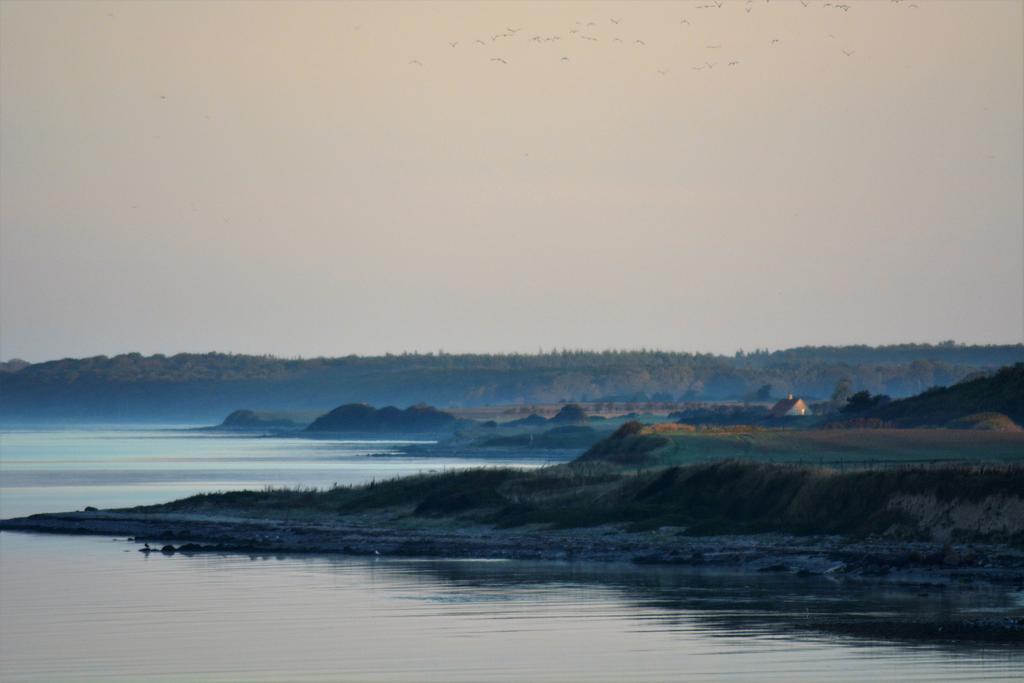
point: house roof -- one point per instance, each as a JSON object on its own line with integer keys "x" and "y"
{"x": 785, "y": 405}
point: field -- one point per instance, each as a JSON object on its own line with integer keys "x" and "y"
{"x": 839, "y": 447}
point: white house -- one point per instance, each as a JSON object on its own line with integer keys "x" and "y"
{"x": 790, "y": 406}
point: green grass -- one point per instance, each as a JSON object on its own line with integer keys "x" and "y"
{"x": 830, "y": 447}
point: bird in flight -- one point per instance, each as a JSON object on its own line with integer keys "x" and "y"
{"x": 685, "y": 21}
{"x": 774, "y": 40}
{"x": 588, "y": 38}
{"x": 713, "y": 47}
{"x": 498, "y": 59}
{"x": 479, "y": 41}
{"x": 848, "y": 53}
{"x": 513, "y": 30}
{"x": 416, "y": 62}
{"x": 663, "y": 72}
{"x": 733, "y": 63}
{"x": 615, "y": 21}
{"x": 454, "y": 44}
{"x": 639, "y": 42}
{"x": 564, "y": 59}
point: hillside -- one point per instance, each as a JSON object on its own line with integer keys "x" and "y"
{"x": 731, "y": 497}
{"x": 204, "y": 387}
{"x": 1002, "y": 393}
{"x": 249, "y": 420}
{"x": 359, "y": 418}
{"x": 636, "y": 445}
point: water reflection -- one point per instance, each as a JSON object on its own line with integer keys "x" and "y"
{"x": 339, "y": 618}
{"x": 722, "y": 601}
{"x": 80, "y": 608}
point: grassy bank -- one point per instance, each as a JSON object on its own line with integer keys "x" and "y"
{"x": 659, "y": 445}
{"x": 936, "y": 503}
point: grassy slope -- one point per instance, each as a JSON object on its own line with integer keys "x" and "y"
{"x": 724, "y": 497}
{"x": 651, "y": 447}
{"x": 840, "y": 446}
{"x": 1000, "y": 393}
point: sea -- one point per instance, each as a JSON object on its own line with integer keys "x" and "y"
{"x": 88, "y": 608}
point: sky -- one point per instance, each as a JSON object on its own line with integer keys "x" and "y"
{"x": 337, "y": 178}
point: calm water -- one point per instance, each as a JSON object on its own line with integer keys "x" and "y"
{"x": 86, "y": 608}
{"x": 59, "y": 470}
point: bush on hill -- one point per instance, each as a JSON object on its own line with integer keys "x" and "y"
{"x": 994, "y": 422}
{"x": 361, "y": 418}
{"x": 570, "y": 414}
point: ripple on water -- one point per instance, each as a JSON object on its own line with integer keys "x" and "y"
{"x": 223, "y": 618}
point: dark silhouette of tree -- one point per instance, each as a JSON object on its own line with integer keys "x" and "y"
{"x": 863, "y": 400}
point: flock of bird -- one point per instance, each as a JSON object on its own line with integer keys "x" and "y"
{"x": 591, "y": 31}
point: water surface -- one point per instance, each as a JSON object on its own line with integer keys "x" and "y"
{"x": 95, "y": 609}
{"x": 82, "y": 609}
{"x": 60, "y": 470}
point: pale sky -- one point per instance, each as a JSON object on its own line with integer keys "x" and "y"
{"x": 334, "y": 178}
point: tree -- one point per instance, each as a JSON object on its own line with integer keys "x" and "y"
{"x": 863, "y": 400}
{"x": 764, "y": 393}
{"x": 841, "y": 394}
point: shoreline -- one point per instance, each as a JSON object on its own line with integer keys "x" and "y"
{"x": 924, "y": 562}
{"x": 920, "y": 566}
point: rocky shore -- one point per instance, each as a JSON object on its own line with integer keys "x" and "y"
{"x": 874, "y": 559}
{"x": 922, "y": 566}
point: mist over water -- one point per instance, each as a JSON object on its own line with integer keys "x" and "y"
{"x": 68, "y": 469}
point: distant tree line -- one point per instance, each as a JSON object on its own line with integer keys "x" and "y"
{"x": 203, "y": 386}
